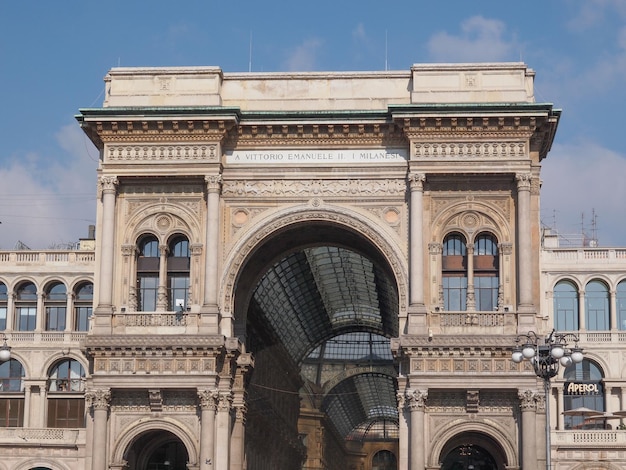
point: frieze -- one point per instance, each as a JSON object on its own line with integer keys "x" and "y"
{"x": 164, "y": 365}
{"x": 308, "y": 188}
{"x": 499, "y": 150}
{"x": 161, "y": 153}
{"x": 332, "y": 217}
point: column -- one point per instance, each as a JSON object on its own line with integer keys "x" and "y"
{"x": 40, "y": 318}
{"x": 613, "y": 310}
{"x": 161, "y": 305}
{"x": 10, "y": 311}
{"x": 213, "y": 184}
{"x": 69, "y": 312}
{"x": 524, "y": 246}
{"x": 208, "y": 405}
{"x": 416, "y": 249}
{"x": 528, "y": 406}
{"x": 417, "y": 401}
{"x": 99, "y": 400}
{"x": 108, "y": 187}
{"x": 582, "y": 320}
{"x": 129, "y": 297}
{"x": 470, "y": 297}
{"x": 403, "y": 433}
{"x": 560, "y": 407}
{"x": 222, "y": 430}
{"x": 28, "y": 390}
{"x": 237, "y": 439}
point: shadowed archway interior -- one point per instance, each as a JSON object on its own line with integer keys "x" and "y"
{"x": 318, "y": 322}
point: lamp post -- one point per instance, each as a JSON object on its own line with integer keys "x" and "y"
{"x": 546, "y": 355}
{"x": 5, "y": 350}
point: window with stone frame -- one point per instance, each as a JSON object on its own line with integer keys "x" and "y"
{"x": 66, "y": 401}
{"x": 148, "y": 263}
{"x": 11, "y": 394}
{"x": 83, "y": 306}
{"x": 178, "y": 264}
{"x": 55, "y": 304}
{"x": 454, "y": 272}
{"x": 26, "y": 307}
{"x": 486, "y": 272}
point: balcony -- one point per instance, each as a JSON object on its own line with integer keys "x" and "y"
{"x": 462, "y": 323}
{"x": 589, "y": 439}
{"x": 42, "y": 437}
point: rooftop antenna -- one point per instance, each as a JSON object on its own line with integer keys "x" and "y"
{"x": 386, "y": 64}
{"x": 250, "y": 54}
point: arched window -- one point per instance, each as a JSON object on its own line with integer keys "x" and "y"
{"x": 597, "y": 306}
{"x": 621, "y": 305}
{"x": 83, "y": 306}
{"x": 148, "y": 274}
{"x": 384, "y": 460}
{"x": 56, "y": 307}
{"x": 583, "y": 387}
{"x": 454, "y": 273}
{"x": 11, "y": 394}
{"x": 486, "y": 278}
{"x": 26, "y": 307}
{"x": 4, "y": 297}
{"x": 565, "y": 306}
{"x": 66, "y": 403}
{"x": 178, "y": 262}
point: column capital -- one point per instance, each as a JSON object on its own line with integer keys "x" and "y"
{"x": 529, "y": 400}
{"x": 108, "y": 184}
{"x": 416, "y": 399}
{"x": 213, "y": 183}
{"x": 98, "y": 398}
{"x": 224, "y": 400}
{"x": 523, "y": 181}
{"x": 416, "y": 181}
{"x": 208, "y": 399}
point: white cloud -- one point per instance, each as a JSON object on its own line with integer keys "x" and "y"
{"x": 579, "y": 178}
{"x": 593, "y": 13}
{"x": 481, "y": 40}
{"x": 304, "y": 57}
{"x": 44, "y": 203}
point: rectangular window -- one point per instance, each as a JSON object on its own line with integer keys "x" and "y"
{"x": 81, "y": 320}
{"x": 26, "y": 318}
{"x": 11, "y": 412}
{"x": 486, "y": 293}
{"x": 566, "y": 314}
{"x": 55, "y": 318}
{"x": 66, "y": 413}
{"x": 597, "y": 314}
{"x": 178, "y": 291}
{"x": 455, "y": 293}
{"x": 3, "y": 318}
{"x": 148, "y": 289}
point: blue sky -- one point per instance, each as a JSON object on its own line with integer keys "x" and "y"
{"x": 54, "y": 55}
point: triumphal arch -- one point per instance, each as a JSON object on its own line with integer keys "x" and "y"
{"x": 316, "y": 270}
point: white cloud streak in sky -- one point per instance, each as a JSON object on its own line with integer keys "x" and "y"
{"x": 45, "y": 204}
{"x": 481, "y": 40}
{"x": 579, "y": 178}
{"x": 303, "y": 58}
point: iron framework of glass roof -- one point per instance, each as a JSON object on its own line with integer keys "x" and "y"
{"x": 329, "y": 304}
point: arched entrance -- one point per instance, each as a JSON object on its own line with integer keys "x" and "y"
{"x": 473, "y": 451}
{"x": 157, "y": 450}
{"x": 316, "y": 303}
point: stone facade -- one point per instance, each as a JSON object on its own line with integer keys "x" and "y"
{"x": 187, "y": 365}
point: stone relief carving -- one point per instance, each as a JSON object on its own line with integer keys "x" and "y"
{"x": 499, "y": 150}
{"x": 328, "y": 188}
{"x": 161, "y": 153}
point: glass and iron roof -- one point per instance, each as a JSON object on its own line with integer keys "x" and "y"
{"x": 328, "y": 304}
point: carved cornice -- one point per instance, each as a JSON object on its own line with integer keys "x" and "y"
{"x": 92, "y": 344}
{"x": 442, "y": 127}
{"x": 316, "y": 135}
{"x": 141, "y": 153}
{"x": 160, "y": 130}
{"x": 482, "y": 150}
{"x": 308, "y": 188}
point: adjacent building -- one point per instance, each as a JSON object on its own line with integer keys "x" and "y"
{"x": 313, "y": 271}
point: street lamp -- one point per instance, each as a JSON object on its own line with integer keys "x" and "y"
{"x": 546, "y": 355}
{"x": 5, "y": 350}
